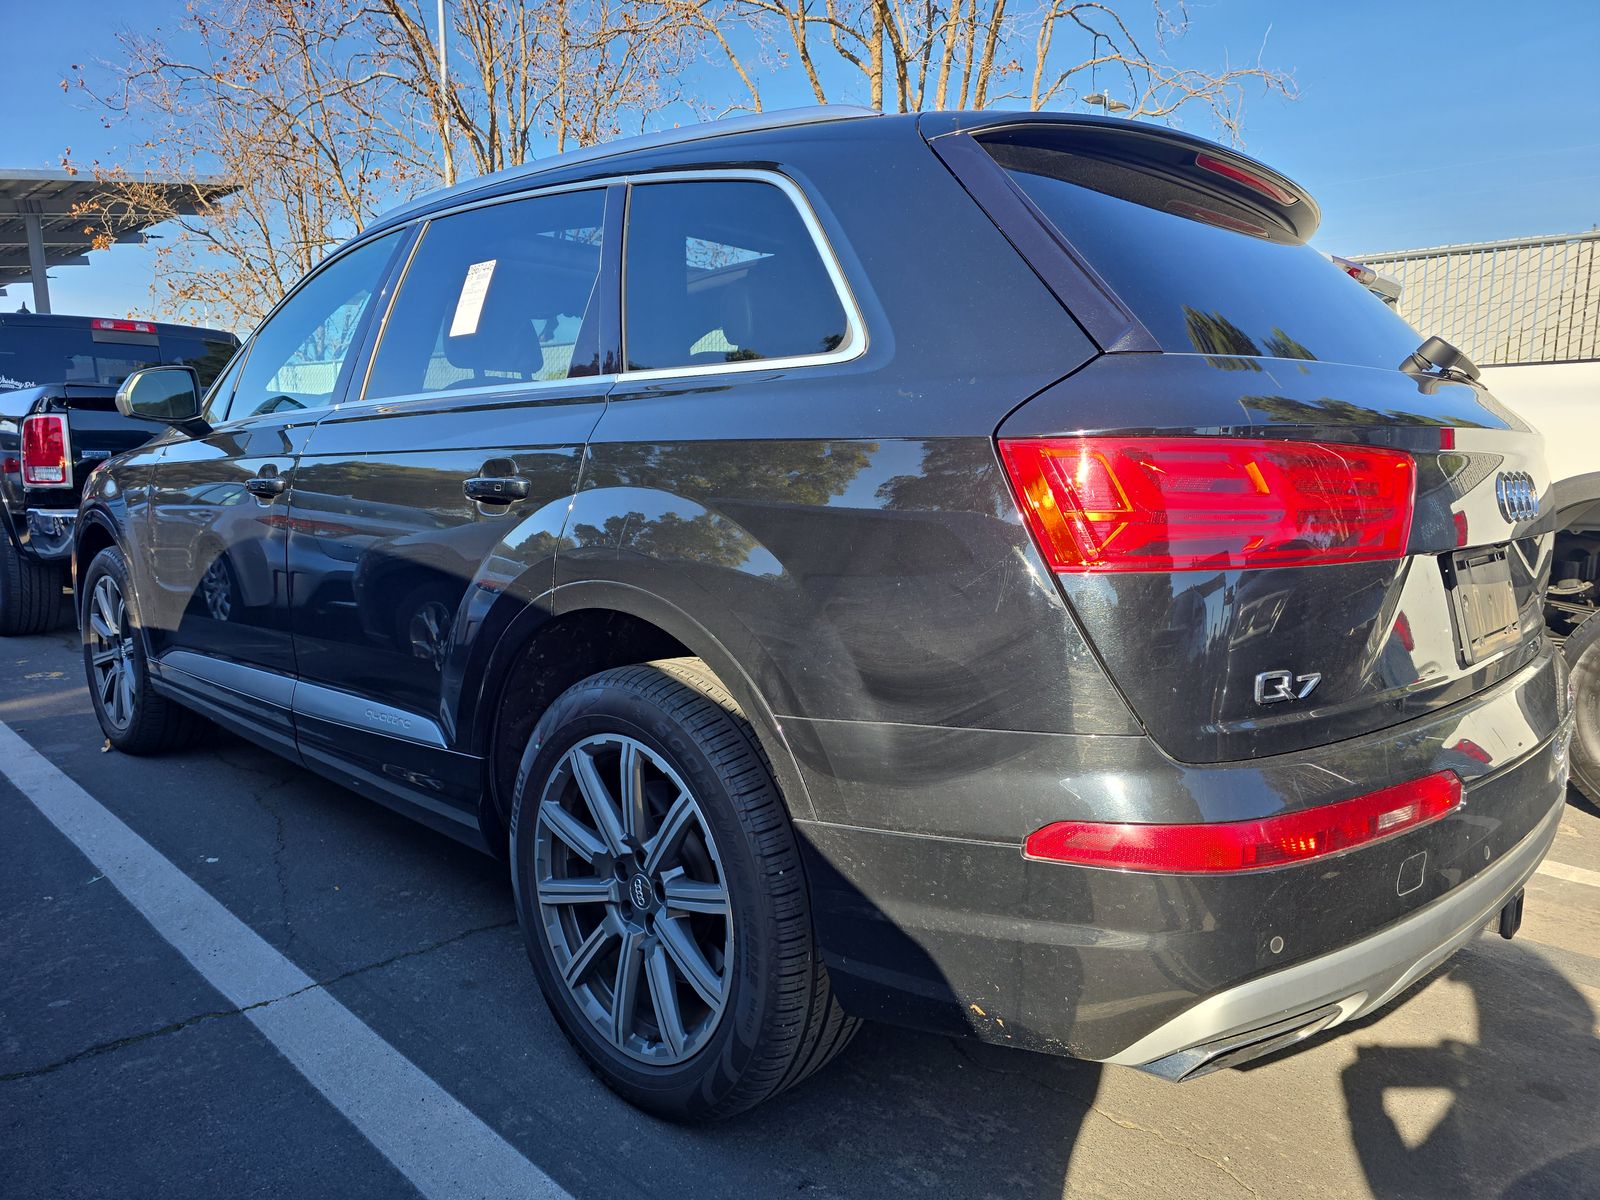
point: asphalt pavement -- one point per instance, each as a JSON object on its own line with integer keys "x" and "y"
{"x": 222, "y": 976}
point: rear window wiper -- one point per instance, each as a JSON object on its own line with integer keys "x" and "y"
{"x": 1437, "y": 358}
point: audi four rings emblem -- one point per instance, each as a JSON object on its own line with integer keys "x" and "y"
{"x": 1519, "y": 500}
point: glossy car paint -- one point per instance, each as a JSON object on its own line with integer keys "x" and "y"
{"x": 837, "y": 541}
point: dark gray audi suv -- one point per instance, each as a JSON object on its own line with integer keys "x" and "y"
{"x": 979, "y": 571}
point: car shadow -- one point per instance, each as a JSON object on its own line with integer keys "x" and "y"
{"x": 1518, "y": 1116}
{"x": 907, "y": 1113}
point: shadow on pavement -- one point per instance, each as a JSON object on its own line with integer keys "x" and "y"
{"x": 1521, "y": 1118}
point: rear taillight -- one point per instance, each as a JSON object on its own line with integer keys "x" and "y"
{"x": 1250, "y": 845}
{"x": 46, "y": 460}
{"x": 1202, "y": 503}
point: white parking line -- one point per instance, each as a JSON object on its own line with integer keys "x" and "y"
{"x": 1571, "y": 874}
{"x": 434, "y": 1140}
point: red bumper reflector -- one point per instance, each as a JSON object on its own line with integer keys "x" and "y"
{"x": 1209, "y": 503}
{"x": 1250, "y": 845}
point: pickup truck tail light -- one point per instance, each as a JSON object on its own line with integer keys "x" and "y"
{"x": 1275, "y": 841}
{"x": 1096, "y": 504}
{"x": 46, "y": 452}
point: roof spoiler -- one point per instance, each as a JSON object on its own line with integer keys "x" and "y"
{"x": 1242, "y": 183}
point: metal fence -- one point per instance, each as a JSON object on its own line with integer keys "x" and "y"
{"x": 1527, "y": 300}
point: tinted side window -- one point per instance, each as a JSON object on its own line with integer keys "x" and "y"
{"x": 296, "y": 356}
{"x": 721, "y": 271}
{"x": 206, "y": 355}
{"x": 498, "y": 295}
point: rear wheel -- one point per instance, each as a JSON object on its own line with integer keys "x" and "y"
{"x": 659, "y": 889}
{"x": 31, "y": 597}
{"x": 1583, "y": 656}
{"x": 133, "y": 717}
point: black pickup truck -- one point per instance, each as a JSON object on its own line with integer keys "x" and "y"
{"x": 58, "y": 421}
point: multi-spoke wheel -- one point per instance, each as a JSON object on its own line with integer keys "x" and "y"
{"x": 632, "y": 895}
{"x": 108, "y": 642}
{"x": 133, "y": 718}
{"x": 658, "y": 885}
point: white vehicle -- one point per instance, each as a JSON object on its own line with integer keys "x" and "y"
{"x": 1524, "y": 309}
{"x": 1562, "y": 400}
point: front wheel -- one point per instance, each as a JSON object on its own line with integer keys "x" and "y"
{"x": 1583, "y": 657}
{"x": 132, "y": 716}
{"x": 659, "y": 889}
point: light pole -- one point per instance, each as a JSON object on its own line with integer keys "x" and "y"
{"x": 444, "y": 103}
{"x": 1107, "y": 101}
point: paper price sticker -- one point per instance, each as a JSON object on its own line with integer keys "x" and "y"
{"x": 469, "y": 305}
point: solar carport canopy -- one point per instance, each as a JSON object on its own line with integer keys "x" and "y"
{"x": 39, "y": 229}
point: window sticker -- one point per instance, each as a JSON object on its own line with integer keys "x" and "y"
{"x": 469, "y": 306}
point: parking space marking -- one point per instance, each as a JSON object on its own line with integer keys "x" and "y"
{"x": 429, "y": 1135}
{"x": 1571, "y": 874}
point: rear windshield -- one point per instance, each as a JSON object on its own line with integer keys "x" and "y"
{"x": 34, "y": 355}
{"x": 1196, "y": 285}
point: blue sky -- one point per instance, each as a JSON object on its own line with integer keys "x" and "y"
{"x": 1418, "y": 123}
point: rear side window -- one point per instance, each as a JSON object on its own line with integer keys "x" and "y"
{"x": 494, "y": 296}
{"x": 1185, "y": 260}
{"x": 723, "y": 271}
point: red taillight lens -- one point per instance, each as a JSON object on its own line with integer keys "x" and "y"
{"x": 1250, "y": 845}
{"x": 45, "y": 462}
{"x": 1199, "y": 503}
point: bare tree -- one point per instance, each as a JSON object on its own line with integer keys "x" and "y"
{"x": 912, "y": 55}
{"x": 324, "y": 112}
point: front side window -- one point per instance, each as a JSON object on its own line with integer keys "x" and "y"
{"x": 295, "y": 358}
{"x": 497, "y": 296}
{"x": 723, "y": 271}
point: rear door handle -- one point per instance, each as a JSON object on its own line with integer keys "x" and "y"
{"x": 266, "y": 486}
{"x": 495, "y": 489}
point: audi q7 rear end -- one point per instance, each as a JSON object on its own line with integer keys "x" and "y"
{"x": 1305, "y": 736}
{"x": 985, "y": 572}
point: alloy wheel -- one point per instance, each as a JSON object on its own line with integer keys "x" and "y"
{"x": 633, "y": 899}
{"x": 111, "y": 651}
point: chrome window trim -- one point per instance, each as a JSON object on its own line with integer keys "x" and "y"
{"x": 853, "y": 347}
{"x": 509, "y": 390}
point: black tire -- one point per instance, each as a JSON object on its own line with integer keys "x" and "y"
{"x": 31, "y": 596}
{"x": 1583, "y": 656}
{"x": 779, "y": 1021}
{"x": 137, "y": 720}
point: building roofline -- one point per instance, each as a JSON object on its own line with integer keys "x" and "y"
{"x": 1550, "y": 239}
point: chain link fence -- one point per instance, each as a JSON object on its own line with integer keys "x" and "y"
{"x": 1525, "y": 300}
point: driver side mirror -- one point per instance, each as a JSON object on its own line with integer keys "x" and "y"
{"x": 170, "y": 395}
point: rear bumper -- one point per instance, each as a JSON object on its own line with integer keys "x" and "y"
{"x": 942, "y": 923}
{"x": 50, "y": 532}
{"x": 1352, "y": 981}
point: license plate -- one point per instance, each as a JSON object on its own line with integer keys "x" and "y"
{"x": 1483, "y": 601}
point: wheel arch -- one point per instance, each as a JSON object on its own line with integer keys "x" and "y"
{"x": 1577, "y": 503}
{"x": 588, "y": 627}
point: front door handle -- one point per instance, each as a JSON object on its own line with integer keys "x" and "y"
{"x": 495, "y": 489}
{"x": 266, "y": 486}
